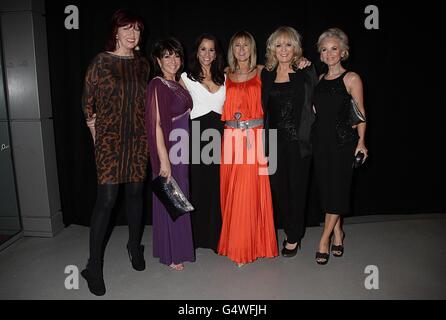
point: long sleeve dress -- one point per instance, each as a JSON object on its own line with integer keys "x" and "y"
{"x": 115, "y": 88}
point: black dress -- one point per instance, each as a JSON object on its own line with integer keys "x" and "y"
{"x": 332, "y": 163}
{"x": 205, "y": 186}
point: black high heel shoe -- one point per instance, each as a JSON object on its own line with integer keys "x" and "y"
{"x": 287, "y": 252}
{"x": 322, "y": 255}
{"x": 338, "y": 250}
{"x": 136, "y": 256}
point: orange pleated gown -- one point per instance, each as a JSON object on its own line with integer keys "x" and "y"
{"x": 248, "y": 229}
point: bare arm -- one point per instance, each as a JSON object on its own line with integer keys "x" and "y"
{"x": 354, "y": 86}
{"x": 259, "y": 69}
{"x": 181, "y": 82}
{"x": 165, "y": 169}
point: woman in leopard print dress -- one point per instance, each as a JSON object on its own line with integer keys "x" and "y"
{"x": 113, "y": 104}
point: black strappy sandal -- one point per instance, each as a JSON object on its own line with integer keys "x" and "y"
{"x": 338, "y": 250}
{"x": 322, "y": 255}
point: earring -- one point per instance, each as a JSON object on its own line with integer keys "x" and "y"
{"x": 137, "y": 48}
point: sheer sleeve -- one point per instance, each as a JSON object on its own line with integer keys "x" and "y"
{"x": 90, "y": 92}
{"x": 157, "y": 97}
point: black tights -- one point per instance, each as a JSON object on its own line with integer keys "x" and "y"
{"x": 100, "y": 220}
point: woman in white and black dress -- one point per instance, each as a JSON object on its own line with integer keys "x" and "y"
{"x": 205, "y": 82}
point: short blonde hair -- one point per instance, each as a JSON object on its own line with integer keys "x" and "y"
{"x": 232, "y": 61}
{"x": 293, "y": 36}
{"x": 340, "y": 35}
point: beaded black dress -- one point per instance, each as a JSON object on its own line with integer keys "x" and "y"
{"x": 290, "y": 181}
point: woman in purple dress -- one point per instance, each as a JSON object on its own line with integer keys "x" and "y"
{"x": 168, "y": 105}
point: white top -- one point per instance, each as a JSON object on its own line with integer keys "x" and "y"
{"x": 204, "y": 101}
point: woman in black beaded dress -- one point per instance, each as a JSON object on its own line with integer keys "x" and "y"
{"x": 333, "y": 153}
{"x": 286, "y": 98}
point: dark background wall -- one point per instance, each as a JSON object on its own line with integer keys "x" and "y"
{"x": 398, "y": 63}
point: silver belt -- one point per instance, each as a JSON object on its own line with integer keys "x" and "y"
{"x": 244, "y": 124}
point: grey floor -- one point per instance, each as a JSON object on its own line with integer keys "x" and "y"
{"x": 408, "y": 251}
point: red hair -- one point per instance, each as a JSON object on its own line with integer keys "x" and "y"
{"x": 121, "y": 18}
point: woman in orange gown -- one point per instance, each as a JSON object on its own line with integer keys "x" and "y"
{"x": 248, "y": 229}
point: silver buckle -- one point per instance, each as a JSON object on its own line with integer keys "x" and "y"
{"x": 243, "y": 124}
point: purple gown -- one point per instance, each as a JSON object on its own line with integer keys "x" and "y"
{"x": 172, "y": 241}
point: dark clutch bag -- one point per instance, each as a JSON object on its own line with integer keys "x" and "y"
{"x": 358, "y": 159}
{"x": 349, "y": 116}
{"x": 171, "y": 196}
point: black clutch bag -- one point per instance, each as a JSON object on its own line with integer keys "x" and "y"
{"x": 349, "y": 116}
{"x": 358, "y": 159}
{"x": 171, "y": 196}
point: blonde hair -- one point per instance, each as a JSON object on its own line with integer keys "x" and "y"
{"x": 232, "y": 61}
{"x": 295, "y": 39}
{"x": 341, "y": 36}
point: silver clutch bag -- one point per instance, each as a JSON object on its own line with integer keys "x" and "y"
{"x": 171, "y": 196}
{"x": 349, "y": 116}
{"x": 356, "y": 117}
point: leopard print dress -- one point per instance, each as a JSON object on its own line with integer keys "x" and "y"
{"x": 115, "y": 89}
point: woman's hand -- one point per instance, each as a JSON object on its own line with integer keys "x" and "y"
{"x": 91, "y": 121}
{"x": 165, "y": 169}
{"x": 91, "y": 125}
{"x": 361, "y": 147}
{"x": 303, "y": 63}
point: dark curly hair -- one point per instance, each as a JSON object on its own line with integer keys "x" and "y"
{"x": 170, "y": 46}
